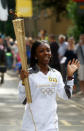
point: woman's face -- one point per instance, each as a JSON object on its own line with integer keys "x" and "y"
{"x": 70, "y": 42}
{"x": 43, "y": 54}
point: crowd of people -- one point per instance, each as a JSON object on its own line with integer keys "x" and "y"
{"x": 63, "y": 49}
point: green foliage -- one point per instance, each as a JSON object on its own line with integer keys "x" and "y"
{"x": 77, "y": 19}
{"x": 72, "y": 10}
{"x": 73, "y": 31}
{"x": 57, "y": 6}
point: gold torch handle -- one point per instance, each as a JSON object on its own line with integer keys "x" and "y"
{"x": 20, "y": 37}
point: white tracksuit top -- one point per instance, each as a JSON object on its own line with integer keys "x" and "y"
{"x": 44, "y": 106}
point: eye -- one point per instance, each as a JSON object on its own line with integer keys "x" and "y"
{"x": 48, "y": 49}
{"x": 41, "y": 50}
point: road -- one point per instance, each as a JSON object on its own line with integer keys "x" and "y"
{"x": 71, "y": 116}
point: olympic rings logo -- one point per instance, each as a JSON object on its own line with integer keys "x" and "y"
{"x": 48, "y": 91}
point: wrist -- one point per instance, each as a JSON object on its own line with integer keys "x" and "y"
{"x": 70, "y": 77}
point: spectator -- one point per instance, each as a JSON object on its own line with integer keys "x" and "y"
{"x": 43, "y": 35}
{"x": 14, "y": 49}
{"x": 70, "y": 52}
{"x": 80, "y": 54}
{"x": 2, "y": 60}
{"x": 62, "y": 46}
{"x": 54, "y": 61}
{"x": 61, "y": 51}
{"x": 9, "y": 55}
{"x": 29, "y": 43}
{"x": 70, "y": 55}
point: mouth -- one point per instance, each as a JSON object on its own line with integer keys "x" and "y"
{"x": 46, "y": 58}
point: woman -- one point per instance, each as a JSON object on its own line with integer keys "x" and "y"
{"x": 70, "y": 52}
{"x": 45, "y": 83}
{"x": 70, "y": 55}
{"x": 3, "y": 67}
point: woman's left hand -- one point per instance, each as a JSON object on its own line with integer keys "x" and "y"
{"x": 72, "y": 67}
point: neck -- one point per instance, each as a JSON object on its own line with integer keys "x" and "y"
{"x": 43, "y": 68}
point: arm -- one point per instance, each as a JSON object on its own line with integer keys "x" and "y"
{"x": 22, "y": 95}
{"x": 65, "y": 90}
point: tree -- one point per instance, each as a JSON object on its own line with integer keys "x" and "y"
{"x": 57, "y": 6}
{"x": 77, "y": 19}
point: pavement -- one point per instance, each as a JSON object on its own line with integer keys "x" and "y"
{"x": 71, "y": 116}
{"x": 11, "y": 111}
{"x": 78, "y": 98}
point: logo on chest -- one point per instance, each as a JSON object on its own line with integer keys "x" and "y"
{"x": 51, "y": 79}
{"x": 48, "y": 91}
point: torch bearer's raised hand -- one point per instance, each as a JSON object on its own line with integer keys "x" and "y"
{"x": 72, "y": 67}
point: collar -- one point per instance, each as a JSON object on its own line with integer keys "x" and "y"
{"x": 36, "y": 69}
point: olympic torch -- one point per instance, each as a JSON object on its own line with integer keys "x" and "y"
{"x": 20, "y": 37}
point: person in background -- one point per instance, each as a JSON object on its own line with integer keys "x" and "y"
{"x": 15, "y": 52}
{"x": 17, "y": 63}
{"x": 54, "y": 61}
{"x": 45, "y": 84}
{"x": 62, "y": 46}
{"x": 43, "y": 35}
{"x": 80, "y": 55}
{"x": 8, "y": 42}
{"x": 3, "y": 67}
{"x": 70, "y": 54}
{"x": 61, "y": 51}
{"x": 29, "y": 42}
